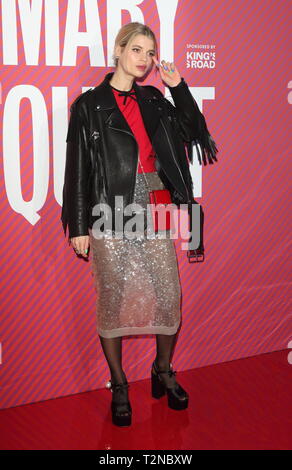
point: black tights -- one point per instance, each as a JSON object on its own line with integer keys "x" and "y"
{"x": 112, "y": 348}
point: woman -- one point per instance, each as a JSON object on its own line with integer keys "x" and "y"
{"x": 125, "y": 139}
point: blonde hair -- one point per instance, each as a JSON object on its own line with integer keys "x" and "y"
{"x": 128, "y": 32}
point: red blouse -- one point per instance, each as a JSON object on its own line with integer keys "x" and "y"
{"x": 128, "y": 105}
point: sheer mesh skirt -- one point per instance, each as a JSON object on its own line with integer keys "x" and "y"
{"x": 136, "y": 280}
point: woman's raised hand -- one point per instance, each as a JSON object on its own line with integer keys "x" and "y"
{"x": 80, "y": 245}
{"x": 168, "y": 72}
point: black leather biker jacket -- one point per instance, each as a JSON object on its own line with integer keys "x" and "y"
{"x": 102, "y": 152}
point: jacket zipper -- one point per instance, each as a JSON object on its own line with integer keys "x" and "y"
{"x": 187, "y": 192}
{"x": 127, "y": 132}
{"x": 122, "y": 130}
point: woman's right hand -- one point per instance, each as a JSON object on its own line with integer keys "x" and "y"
{"x": 80, "y": 245}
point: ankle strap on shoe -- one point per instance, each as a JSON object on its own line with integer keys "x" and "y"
{"x": 119, "y": 386}
{"x": 170, "y": 372}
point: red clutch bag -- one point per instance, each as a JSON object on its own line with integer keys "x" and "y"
{"x": 162, "y": 221}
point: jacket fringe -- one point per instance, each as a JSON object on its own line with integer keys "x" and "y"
{"x": 205, "y": 147}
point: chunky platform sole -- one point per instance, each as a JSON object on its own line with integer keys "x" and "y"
{"x": 118, "y": 419}
{"x": 158, "y": 390}
{"x": 121, "y": 420}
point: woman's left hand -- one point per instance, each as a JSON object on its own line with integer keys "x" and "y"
{"x": 168, "y": 72}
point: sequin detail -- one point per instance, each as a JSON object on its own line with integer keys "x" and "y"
{"x": 136, "y": 280}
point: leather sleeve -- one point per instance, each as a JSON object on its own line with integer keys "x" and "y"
{"x": 76, "y": 177}
{"x": 191, "y": 123}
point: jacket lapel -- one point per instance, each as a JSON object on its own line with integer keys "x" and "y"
{"x": 106, "y": 102}
{"x": 149, "y": 109}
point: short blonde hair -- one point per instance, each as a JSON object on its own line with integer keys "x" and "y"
{"x": 128, "y": 32}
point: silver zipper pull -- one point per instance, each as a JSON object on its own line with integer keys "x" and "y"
{"x": 95, "y": 135}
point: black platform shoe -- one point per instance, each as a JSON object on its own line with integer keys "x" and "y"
{"x": 178, "y": 398}
{"x": 120, "y": 404}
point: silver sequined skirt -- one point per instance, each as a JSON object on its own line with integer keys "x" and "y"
{"x": 136, "y": 280}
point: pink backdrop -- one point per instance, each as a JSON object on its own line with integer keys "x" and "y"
{"x": 236, "y": 303}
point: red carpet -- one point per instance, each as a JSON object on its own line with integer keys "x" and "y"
{"x": 242, "y": 404}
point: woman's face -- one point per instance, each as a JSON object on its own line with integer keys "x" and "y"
{"x": 136, "y": 58}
